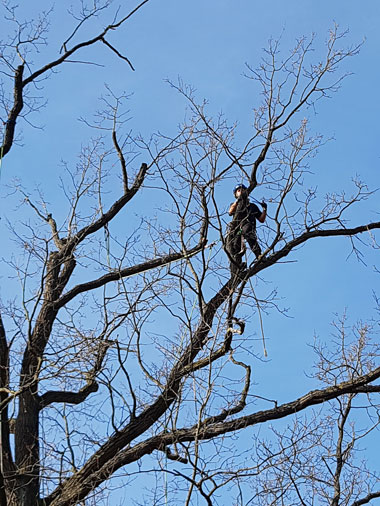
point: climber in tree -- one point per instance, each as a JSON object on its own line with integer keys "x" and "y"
{"x": 243, "y": 227}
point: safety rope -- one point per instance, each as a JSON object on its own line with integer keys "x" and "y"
{"x": 261, "y": 322}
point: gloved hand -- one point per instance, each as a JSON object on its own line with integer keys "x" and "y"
{"x": 265, "y": 205}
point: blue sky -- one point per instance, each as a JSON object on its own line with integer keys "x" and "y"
{"x": 207, "y": 43}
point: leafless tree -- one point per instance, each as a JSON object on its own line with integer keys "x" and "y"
{"x": 125, "y": 355}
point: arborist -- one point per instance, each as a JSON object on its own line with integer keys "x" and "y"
{"x": 243, "y": 227}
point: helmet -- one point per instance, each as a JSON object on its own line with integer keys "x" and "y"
{"x": 239, "y": 187}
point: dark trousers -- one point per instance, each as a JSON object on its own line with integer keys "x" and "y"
{"x": 235, "y": 244}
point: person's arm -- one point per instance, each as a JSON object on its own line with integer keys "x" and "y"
{"x": 232, "y": 208}
{"x": 263, "y": 214}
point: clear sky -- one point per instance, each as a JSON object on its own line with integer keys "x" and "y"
{"x": 207, "y": 43}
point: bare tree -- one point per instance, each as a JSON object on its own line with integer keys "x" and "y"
{"x": 93, "y": 385}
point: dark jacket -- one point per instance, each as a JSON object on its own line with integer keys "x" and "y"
{"x": 246, "y": 213}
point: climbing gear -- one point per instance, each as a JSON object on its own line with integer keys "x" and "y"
{"x": 261, "y": 322}
{"x": 107, "y": 243}
{"x": 240, "y": 323}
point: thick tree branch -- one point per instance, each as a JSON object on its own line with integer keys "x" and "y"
{"x": 5, "y": 448}
{"x": 263, "y": 263}
{"x": 6, "y": 460}
{"x": 128, "y": 271}
{"x": 366, "y": 499}
{"x": 312, "y": 398}
{"x": 4, "y": 359}
{"x": 54, "y": 396}
{"x": 92, "y": 386}
{"x": 18, "y": 104}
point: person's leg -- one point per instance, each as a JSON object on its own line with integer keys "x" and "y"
{"x": 249, "y": 234}
{"x": 233, "y": 247}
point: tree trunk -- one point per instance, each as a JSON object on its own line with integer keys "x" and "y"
{"x": 27, "y": 450}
